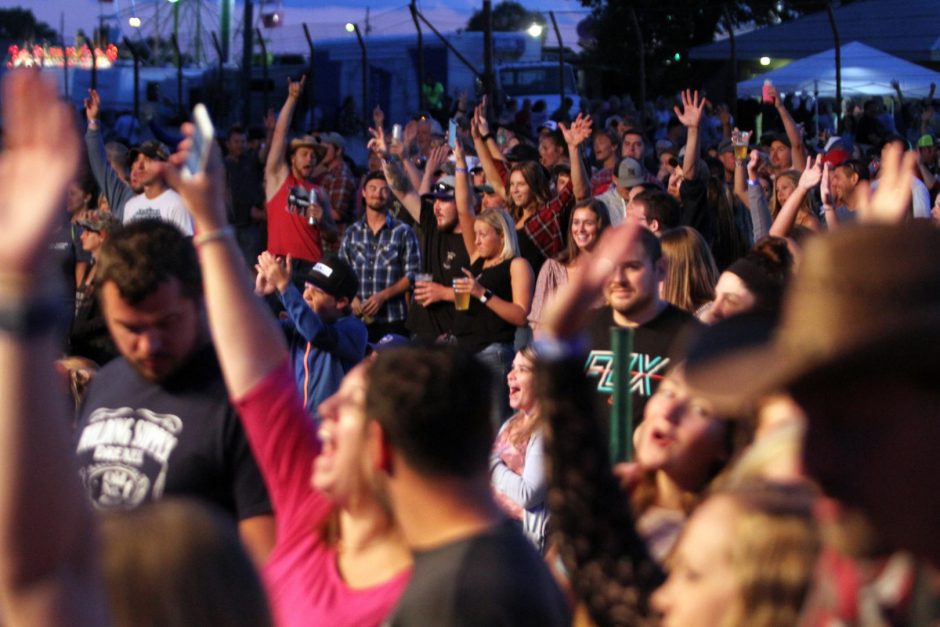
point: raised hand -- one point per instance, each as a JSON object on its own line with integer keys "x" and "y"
{"x": 579, "y": 131}
{"x": 812, "y": 173}
{"x": 275, "y": 271}
{"x": 378, "y": 144}
{"x": 825, "y": 187}
{"x": 479, "y": 114}
{"x": 891, "y": 202}
{"x": 40, "y": 159}
{"x": 436, "y": 157}
{"x": 378, "y": 117}
{"x": 203, "y": 193}
{"x": 753, "y": 164}
{"x": 691, "y": 113}
{"x": 296, "y": 88}
{"x": 92, "y": 105}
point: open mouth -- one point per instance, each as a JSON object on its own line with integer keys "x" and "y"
{"x": 662, "y": 438}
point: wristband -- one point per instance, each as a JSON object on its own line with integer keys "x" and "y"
{"x": 486, "y": 137}
{"x": 487, "y": 294}
{"x": 226, "y": 232}
{"x": 459, "y": 170}
{"x": 753, "y": 183}
{"x": 551, "y": 348}
{"x": 93, "y": 124}
{"x": 28, "y": 318}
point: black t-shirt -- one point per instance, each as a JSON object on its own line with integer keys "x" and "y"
{"x": 653, "y": 352}
{"x": 443, "y": 255}
{"x": 493, "y": 578}
{"x": 480, "y": 326}
{"x": 138, "y": 441}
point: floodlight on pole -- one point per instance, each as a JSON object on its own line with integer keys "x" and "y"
{"x": 134, "y": 22}
{"x": 535, "y": 30}
{"x": 350, "y": 27}
{"x": 765, "y": 61}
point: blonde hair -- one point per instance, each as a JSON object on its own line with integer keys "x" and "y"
{"x": 691, "y": 273}
{"x": 805, "y": 212}
{"x": 774, "y": 548}
{"x": 177, "y": 563}
{"x": 500, "y": 222}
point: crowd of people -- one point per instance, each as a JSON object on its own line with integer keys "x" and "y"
{"x": 293, "y": 389}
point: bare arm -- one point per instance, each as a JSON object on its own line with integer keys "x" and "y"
{"x": 254, "y": 344}
{"x": 275, "y": 168}
{"x": 575, "y": 136}
{"x": 517, "y": 311}
{"x": 480, "y": 127}
{"x": 797, "y": 152}
{"x": 825, "y": 192}
{"x": 691, "y": 117}
{"x": 786, "y": 217}
{"x": 463, "y": 197}
{"x": 48, "y": 548}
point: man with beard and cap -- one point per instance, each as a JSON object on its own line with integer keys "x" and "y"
{"x": 384, "y": 253}
{"x": 299, "y": 216}
{"x": 156, "y": 199}
{"x": 443, "y": 252}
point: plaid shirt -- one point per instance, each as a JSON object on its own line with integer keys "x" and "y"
{"x": 340, "y": 185}
{"x": 545, "y": 227}
{"x": 382, "y": 259}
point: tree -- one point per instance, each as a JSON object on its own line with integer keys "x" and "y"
{"x": 507, "y": 16}
{"x": 669, "y": 28}
{"x": 19, "y": 25}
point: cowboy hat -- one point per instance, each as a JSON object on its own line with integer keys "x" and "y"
{"x": 864, "y": 296}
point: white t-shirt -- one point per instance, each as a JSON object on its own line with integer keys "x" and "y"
{"x": 168, "y": 206}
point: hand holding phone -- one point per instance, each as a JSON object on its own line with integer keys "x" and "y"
{"x": 202, "y": 142}
{"x": 452, "y": 133}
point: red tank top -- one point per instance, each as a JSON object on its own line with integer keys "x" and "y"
{"x": 289, "y": 233}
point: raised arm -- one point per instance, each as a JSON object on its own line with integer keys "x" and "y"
{"x": 691, "y": 117}
{"x": 575, "y": 136}
{"x": 797, "y": 152}
{"x": 480, "y": 133}
{"x": 48, "y": 552}
{"x": 756, "y": 199}
{"x": 115, "y": 189}
{"x": 436, "y": 159}
{"x": 463, "y": 197}
{"x": 255, "y": 345}
{"x": 825, "y": 193}
{"x": 275, "y": 168}
{"x": 786, "y": 217}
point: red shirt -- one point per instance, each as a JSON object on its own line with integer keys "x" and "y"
{"x": 289, "y": 232}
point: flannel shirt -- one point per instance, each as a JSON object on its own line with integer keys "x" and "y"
{"x": 340, "y": 185}
{"x": 545, "y": 227}
{"x": 380, "y": 260}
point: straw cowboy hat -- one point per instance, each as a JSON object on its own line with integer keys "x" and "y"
{"x": 865, "y": 296}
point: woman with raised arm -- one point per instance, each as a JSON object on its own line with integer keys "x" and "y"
{"x": 339, "y": 557}
{"x": 538, "y": 215}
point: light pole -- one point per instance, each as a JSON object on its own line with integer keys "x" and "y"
{"x": 354, "y": 28}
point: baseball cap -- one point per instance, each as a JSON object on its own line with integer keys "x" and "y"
{"x": 629, "y": 173}
{"x": 99, "y": 221}
{"x": 836, "y": 156}
{"x": 334, "y": 276}
{"x": 150, "y": 148}
{"x": 768, "y": 138}
{"x": 389, "y": 340}
{"x": 332, "y": 138}
{"x": 925, "y": 141}
{"x": 443, "y": 189}
{"x": 725, "y": 146}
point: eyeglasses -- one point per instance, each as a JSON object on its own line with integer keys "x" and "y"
{"x": 443, "y": 189}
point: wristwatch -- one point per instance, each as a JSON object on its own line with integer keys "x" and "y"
{"x": 487, "y": 294}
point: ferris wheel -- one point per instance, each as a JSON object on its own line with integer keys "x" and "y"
{"x": 195, "y": 23}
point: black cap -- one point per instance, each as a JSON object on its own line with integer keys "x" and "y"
{"x": 334, "y": 276}
{"x": 151, "y": 148}
{"x": 443, "y": 189}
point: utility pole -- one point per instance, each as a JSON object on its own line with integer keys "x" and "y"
{"x": 247, "y": 46}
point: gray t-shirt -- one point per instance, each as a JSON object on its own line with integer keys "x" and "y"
{"x": 493, "y": 578}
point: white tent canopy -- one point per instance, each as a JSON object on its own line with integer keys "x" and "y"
{"x": 866, "y": 71}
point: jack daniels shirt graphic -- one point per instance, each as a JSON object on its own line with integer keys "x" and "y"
{"x": 138, "y": 441}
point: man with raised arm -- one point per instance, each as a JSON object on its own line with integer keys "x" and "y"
{"x": 116, "y": 190}
{"x": 299, "y": 216}
{"x": 48, "y": 548}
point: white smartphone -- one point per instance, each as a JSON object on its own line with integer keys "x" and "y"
{"x": 202, "y": 142}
